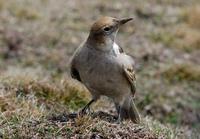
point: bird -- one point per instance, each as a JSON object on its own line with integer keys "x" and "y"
{"x": 105, "y": 69}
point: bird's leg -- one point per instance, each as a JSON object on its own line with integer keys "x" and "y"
{"x": 118, "y": 113}
{"x": 117, "y": 109}
{"x": 86, "y": 107}
{"x": 119, "y": 119}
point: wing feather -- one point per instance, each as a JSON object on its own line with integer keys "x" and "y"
{"x": 130, "y": 75}
{"x": 75, "y": 74}
{"x": 73, "y": 70}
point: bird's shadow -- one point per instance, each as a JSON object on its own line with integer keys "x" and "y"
{"x": 72, "y": 116}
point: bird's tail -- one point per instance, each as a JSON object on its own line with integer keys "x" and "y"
{"x": 128, "y": 110}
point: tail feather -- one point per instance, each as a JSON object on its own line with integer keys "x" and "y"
{"x": 133, "y": 112}
{"x": 129, "y": 111}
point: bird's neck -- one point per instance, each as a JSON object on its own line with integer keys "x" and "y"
{"x": 100, "y": 43}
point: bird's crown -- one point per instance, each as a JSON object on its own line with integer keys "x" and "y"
{"x": 102, "y": 22}
{"x": 107, "y": 23}
{"x": 104, "y": 31}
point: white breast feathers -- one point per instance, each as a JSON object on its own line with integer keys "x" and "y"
{"x": 116, "y": 48}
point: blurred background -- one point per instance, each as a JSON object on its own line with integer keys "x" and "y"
{"x": 38, "y": 37}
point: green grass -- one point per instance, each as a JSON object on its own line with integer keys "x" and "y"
{"x": 182, "y": 72}
{"x": 24, "y": 12}
{"x": 164, "y": 37}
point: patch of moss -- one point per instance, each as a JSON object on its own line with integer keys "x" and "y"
{"x": 182, "y": 72}
{"x": 187, "y": 38}
{"x": 194, "y": 103}
{"x": 148, "y": 98}
{"x": 182, "y": 37}
{"x": 163, "y": 37}
{"x": 72, "y": 97}
{"x": 74, "y": 100}
{"x": 193, "y": 16}
{"x": 24, "y": 13}
{"x": 1, "y": 4}
{"x": 173, "y": 118}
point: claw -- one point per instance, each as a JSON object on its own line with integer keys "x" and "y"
{"x": 86, "y": 109}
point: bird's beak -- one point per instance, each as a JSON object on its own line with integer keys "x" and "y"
{"x": 124, "y": 21}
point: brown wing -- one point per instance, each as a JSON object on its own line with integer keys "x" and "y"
{"x": 130, "y": 75}
{"x": 75, "y": 74}
{"x": 73, "y": 69}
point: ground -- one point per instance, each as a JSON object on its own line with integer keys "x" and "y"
{"x": 38, "y": 99}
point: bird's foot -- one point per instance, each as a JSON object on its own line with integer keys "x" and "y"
{"x": 85, "y": 111}
{"x": 118, "y": 120}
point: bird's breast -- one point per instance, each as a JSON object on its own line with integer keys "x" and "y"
{"x": 102, "y": 75}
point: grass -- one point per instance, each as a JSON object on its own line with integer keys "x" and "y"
{"x": 188, "y": 39}
{"x": 65, "y": 92}
{"x": 193, "y": 16}
{"x": 1, "y": 4}
{"x": 164, "y": 37}
{"x": 163, "y": 131}
{"x": 182, "y": 72}
{"x": 23, "y": 11}
{"x": 184, "y": 36}
{"x": 83, "y": 128}
{"x": 37, "y": 95}
{"x": 27, "y": 104}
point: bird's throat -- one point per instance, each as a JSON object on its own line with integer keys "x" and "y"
{"x": 101, "y": 43}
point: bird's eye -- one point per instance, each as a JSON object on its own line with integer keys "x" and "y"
{"x": 106, "y": 29}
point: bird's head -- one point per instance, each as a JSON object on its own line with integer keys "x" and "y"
{"x": 104, "y": 31}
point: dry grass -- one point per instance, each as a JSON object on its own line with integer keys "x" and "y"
{"x": 183, "y": 72}
{"x": 188, "y": 35}
{"x": 25, "y": 13}
{"x": 36, "y": 93}
{"x": 62, "y": 91}
{"x": 1, "y": 4}
{"x": 187, "y": 39}
{"x": 182, "y": 37}
{"x": 27, "y": 103}
{"x": 21, "y": 10}
{"x": 193, "y": 16}
{"x": 163, "y": 37}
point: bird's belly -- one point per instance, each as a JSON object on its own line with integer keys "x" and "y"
{"x": 104, "y": 80}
